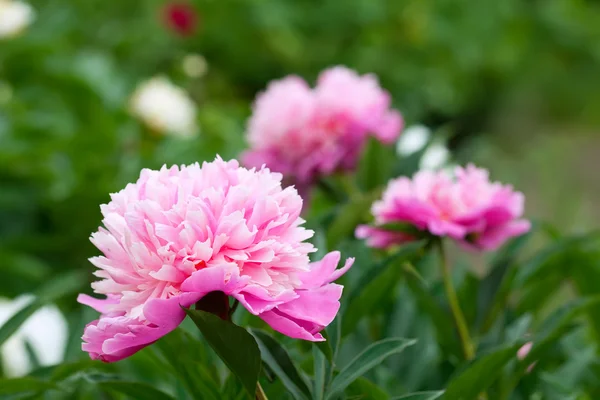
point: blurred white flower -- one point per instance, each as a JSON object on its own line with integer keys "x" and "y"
{"x": 46, "y": 332}
{"x": 195, "y": 65}
{"x": 413, "y": 139}
{"x": 15, "y": 16}
{"x": 435, "y": 157}
{"x": 165, "y": 108}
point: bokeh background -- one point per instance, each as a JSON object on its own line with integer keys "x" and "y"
{"x": 512, "y": 85}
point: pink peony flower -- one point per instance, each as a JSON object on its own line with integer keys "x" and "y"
{"x": 468, "y": 208}
{"x": 303, "y": 132}
{"x": 180, "y": 233}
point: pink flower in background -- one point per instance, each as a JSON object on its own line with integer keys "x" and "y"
{"x": 180, "y": 233}
{"x": 467, "y": 207}
{"x": 303, "y": 132}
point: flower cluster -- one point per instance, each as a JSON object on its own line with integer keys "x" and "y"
{"x": 466, "y": 207}
{"x": 304, "y": 133}
{"x": 180, "y": 233}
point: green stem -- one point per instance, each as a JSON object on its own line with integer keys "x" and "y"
{"x": 233, "y": 308}
{"x": 459, "y": 318}
{"x": 260, "y": 393}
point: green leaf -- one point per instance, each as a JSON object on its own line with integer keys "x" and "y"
{"x": 445, "y": 334}
{"x": 334, "y": 336}
{"x": 364, "y": 389}
{"x": 495, "y": 287}
{"x": 58, "y": 287}
{"x": 376, "y": 284}
{"x": 234, "y": 345}
{"x": 188, "y": 361}
{"x": 543, "y": 262}
{"x": 585, "y": 274}
{"x": 24, "y": 385}
{"x": 278, "y": 359}
{"x": 375, "y": 165}
{"x": 320, "y": 372}
{"x": 135, "y": 390}
{"x": 480, "y": 374}
{"x": 325, "y": 347}
{"x": 348, "y": 216}
{"x": 369, "y": 358}
{"x": 432, "y": 395}
{"x": 555, "y": 326}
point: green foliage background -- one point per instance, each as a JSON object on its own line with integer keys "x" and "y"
{"x": 512, "y": 84}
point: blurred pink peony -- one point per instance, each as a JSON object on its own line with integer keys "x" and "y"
{"x": 303, "y": 132}
{"x": 180, "y": 233}
{"x": 468, "y": 208}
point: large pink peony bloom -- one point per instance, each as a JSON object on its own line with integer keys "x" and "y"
{"x": 468, "y": 207}
{"x": 303, "y": 132}
{"x": 180, "y": 233}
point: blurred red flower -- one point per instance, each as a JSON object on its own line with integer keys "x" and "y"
{"x": 180, "y": 17}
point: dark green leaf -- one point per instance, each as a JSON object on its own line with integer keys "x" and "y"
{"x": 364, "y": 389}
{"x": 369, "y": 358}
{"x": 480, "y": 374}
{"x": 135, "y": 390}
{"x": 277, "y": 358}
{"x": 445, "y": 333}
{"x": 325, "y": 347}
{"x": 494, "y": 288}
{"x": 376, "y": 284}
{"x": 24, "y": 386}
{"x": 420, "y": 396}
{"x": 348, "y": 216}
{"x": 234, "y": 345}
{"x": 375, "y": 165}
{"x": 320, "y": 372}
{"x": 188, "y": 362}
{"x": 542, "y": 263}
{"x": 555, "y": 326}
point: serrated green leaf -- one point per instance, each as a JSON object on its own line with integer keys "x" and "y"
{"x": 369, "y": 358}
{"x": 480, "y": 374}
{"x": 278, "y": 359}
{"x": 431, "y": 395}
{"x": 135, "y": 390}
{"x": 234, "y": 345}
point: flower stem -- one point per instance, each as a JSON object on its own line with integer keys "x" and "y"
{"x": 260, "y": 393}
{"x": 459, "y": 318}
